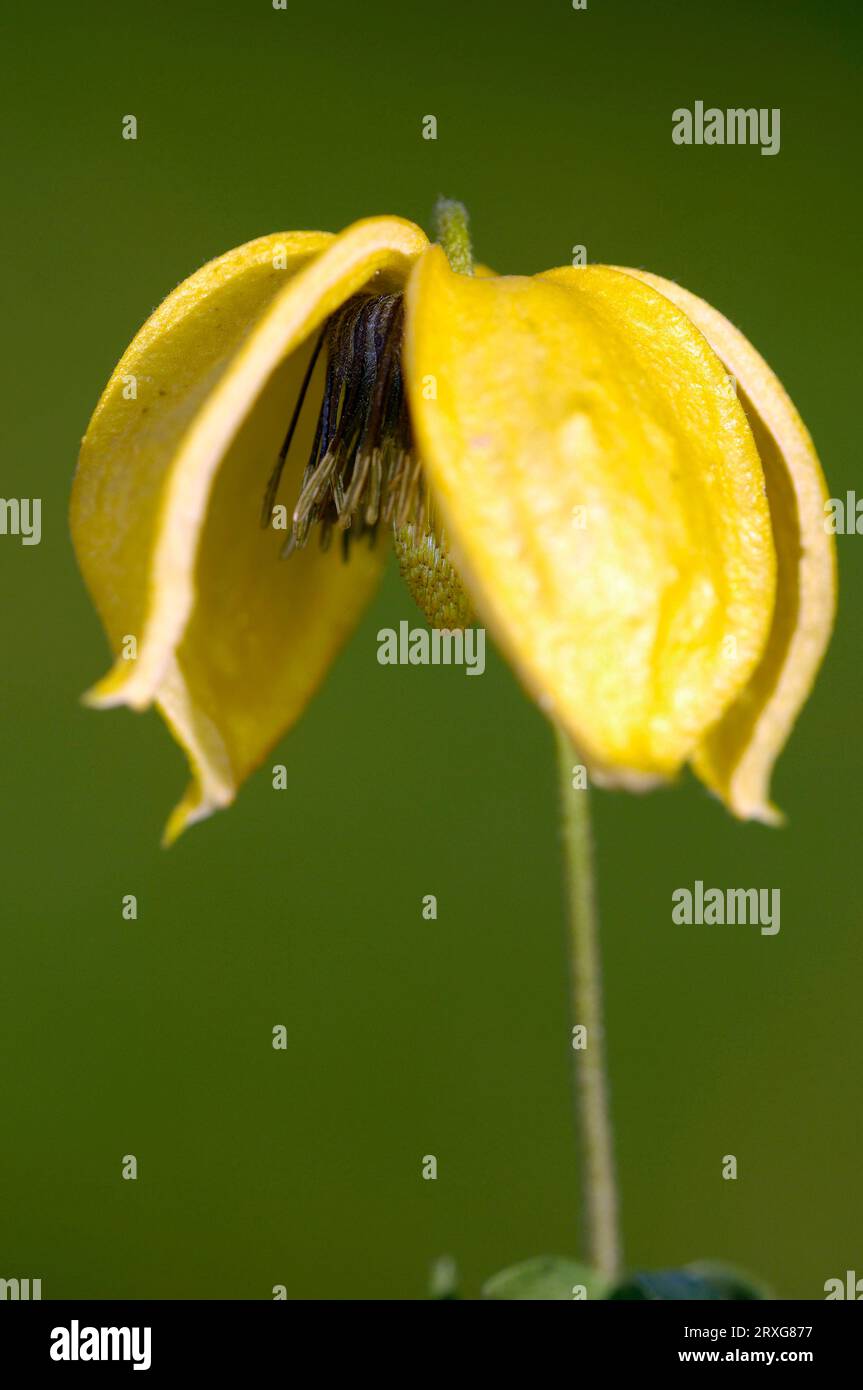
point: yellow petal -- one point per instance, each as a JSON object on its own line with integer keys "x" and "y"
{"x": 586, "y": 396}
{"x": 231, "y": 641}
{"x": 264, "y": 630}
{"x": 737, "y": 757}
{"x": 147, "y": 465}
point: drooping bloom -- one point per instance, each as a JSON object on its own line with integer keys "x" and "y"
{"x": 593, "y": 460}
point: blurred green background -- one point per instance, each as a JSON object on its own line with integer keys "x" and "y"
{"x": 303, "y": 907}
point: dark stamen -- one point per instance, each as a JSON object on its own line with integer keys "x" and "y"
{"x": 276, "y": 475}
{"x": 362, "y": 469}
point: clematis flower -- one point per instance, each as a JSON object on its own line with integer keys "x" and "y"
{"x": 564, "y": 455}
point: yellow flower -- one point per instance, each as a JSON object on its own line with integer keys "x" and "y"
{"x": 644, "y": 539}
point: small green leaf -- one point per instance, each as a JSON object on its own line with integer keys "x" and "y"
{"x": 549, "y": 1277}
{"x": 704, "y": 1279}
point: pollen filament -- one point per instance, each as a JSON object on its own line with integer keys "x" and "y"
{"x": 362, "y": 469}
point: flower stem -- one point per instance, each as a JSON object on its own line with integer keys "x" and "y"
{"x": 451, "y": 229}
{"x": 590, "y": 1073}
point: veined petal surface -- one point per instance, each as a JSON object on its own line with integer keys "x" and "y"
{"x": 603, "y": 499}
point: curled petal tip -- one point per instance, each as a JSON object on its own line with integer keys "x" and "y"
{"x": 188, "y": 812}
{"x": 116, "y": 689}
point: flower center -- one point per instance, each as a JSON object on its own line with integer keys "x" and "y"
{"x": 362, "y": 469}
{"x": 430, "y": 575}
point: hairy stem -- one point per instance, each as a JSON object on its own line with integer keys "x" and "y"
{"x": 591, "y": 1082}
{"x": 451, "y": 229}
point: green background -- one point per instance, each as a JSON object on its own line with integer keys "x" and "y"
{"x": 304, "y": 907}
